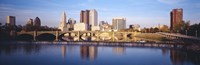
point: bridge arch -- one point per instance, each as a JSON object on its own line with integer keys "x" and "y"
{"x": 25, "y": 37}
{"x": 67, "y": 36}
{"x": 45, "y": 37}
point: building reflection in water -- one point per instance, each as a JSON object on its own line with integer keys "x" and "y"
{"x": 165, "y": 51}
{"x": 64, "y": 51}
{"x": 119, "y": 50}
{"x": 183, "y": 57}
{"x": 88, "y": 52}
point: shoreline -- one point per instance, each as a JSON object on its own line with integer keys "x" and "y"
{"x": 123, "y": 44}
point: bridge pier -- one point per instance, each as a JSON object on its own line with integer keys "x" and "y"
{"x": 125, "y": 36}
{"x": 113, "y": 36}
{"x": 97, "y": 35}
{"x": 78, "y": 35}
{"x": 57, "y": 35}
{"x": 34, "y": 35}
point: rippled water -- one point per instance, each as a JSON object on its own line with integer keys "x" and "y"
{"x": 87, "y": 54}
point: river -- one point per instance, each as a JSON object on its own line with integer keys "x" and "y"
{"x": 91, "y": 53}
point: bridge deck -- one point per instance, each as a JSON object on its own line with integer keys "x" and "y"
{"x": 180, "y": 35}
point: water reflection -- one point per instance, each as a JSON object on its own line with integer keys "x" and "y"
{"x": 165, "y": 51}
{"x": 119, "y": 50}
{"x": 27, "y": 49}
{"x": 93, "y": 53}
{"x": 64, "y": 51}
{"x": 88, "y": 52}
{"x": 181, "y": 57}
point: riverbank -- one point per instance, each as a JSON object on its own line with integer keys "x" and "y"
{"x": 152, "y": 36}
{"x": 121, "y": 44}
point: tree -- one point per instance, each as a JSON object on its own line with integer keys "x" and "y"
{"x": 0, "y": 27}
{"x": 193, "y": 28}
{"x": 182, "y": 26}
{"x": 164, "y": 28}
{"x": 19, "y": 28}
{"x": 178, "y": 27}
{"x": 186, "y": 25}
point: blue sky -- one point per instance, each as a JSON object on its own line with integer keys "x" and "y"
{"x": 146, "y": 13}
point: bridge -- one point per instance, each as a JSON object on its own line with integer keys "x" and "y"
{"x": 179, "y": 36}
{"x": 59, "y": 34}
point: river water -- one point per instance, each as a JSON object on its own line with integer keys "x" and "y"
{"x": 82, "y": 53}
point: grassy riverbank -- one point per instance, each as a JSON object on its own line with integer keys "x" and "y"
{"x": 153, "y": 36}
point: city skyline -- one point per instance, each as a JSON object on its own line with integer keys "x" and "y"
{"x": 140, "y": 12}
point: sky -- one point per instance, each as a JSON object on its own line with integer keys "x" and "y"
{"x": 146, "y": 13}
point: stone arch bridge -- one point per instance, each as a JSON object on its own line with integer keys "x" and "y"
{"x": 58, "y": 34}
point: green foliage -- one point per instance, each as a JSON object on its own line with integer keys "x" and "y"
{"x": 182, "y": 26}
{"x": 150, "y": 30}
{"x": 195, "y": 27}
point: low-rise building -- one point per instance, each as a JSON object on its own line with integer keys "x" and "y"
{"x": 104, "y": 26}
{"x": 80, "y": 27}
{"x": 95, "y": 28}
{"x": 135, "y": 27}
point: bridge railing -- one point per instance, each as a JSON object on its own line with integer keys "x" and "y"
{"x": 179, "y": 35}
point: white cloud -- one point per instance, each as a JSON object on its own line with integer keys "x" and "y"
{"x": 171, "y": 1}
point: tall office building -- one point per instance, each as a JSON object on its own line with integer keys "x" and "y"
{"x": 11, "y": 20}
{"x": 176, "y": 18}
{"x": 63, "y": 24}
{"x": 37, "y": 22}
{"x": 30, "y": 22}
{"x": 93, "y": 18}
{"x": 119, "y": 23}
{"x": 84, "y": 16}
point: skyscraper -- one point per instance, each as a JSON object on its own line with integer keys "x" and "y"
{"x": 63, "y": 24}
{"x": 119, "y": 23}
{"x": 84, "y": 17}
{"x": 11, "y": 20}
{"x": 93, "y": 18}
{"x": 30, "y": 22}
{"x": 176, "y": 18}
{"x": 37, "y": 22}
